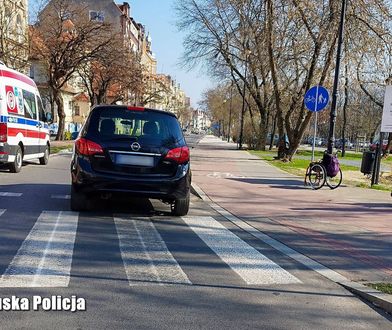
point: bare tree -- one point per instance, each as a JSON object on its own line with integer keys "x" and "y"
{"x": 153, "y": 89}
{"x": 113, "y": 75}
{"x": 275, "y": 50}
{"x": 65, "y": 39}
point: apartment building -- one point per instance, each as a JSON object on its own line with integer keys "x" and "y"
{"x": 157, "y": 91}
{"x": 14, "y": 34}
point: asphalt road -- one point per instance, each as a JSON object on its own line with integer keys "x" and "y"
{"x": 137, "y": 267}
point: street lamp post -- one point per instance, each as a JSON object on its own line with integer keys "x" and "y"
{"x": 332, "y": 122}
{"x": 230, "y": 110}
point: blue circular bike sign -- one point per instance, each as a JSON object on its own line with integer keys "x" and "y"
{"x": 316, "y": 98}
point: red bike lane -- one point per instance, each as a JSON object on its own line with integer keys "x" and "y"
{"x": 347, "y": 229}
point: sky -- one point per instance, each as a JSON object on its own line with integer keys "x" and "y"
{"x": 159, "y": 18}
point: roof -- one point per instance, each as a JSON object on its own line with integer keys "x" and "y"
{"x": 81, "y": 97}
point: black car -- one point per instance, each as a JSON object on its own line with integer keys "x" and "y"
{"x": 131, "y": 151}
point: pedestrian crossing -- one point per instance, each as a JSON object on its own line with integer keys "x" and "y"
{"x": 44, "y": 259}
{"x": 145, "y": 255}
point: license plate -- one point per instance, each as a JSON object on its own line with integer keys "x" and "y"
{"x": 135, "y": 160}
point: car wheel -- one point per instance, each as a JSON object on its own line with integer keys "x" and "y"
{"x": 79, "y": 201}
{"x": 16, "y": 165}
{"x": 45, "y": 159}
{"x": 180, "y": 207}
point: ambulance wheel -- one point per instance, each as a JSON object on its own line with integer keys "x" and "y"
{"x": 45, "y": 159}
{"x": 16, "y": 165}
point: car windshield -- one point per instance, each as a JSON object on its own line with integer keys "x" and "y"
{"x": 122, "y": 124}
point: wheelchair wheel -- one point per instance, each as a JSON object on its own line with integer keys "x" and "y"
{"x": 316, "y": 176}
{"x": 335, "y": 182}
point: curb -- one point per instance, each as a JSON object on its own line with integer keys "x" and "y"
{"x": 375, "y": 297}
{"x": 61, "y": 152}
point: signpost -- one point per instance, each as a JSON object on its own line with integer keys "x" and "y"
{"x": 386, "y": 127}
{"x": 316, "y": 99}
{"x": 386, "y": 123}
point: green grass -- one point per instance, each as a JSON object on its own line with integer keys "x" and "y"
{"x": 350, "y": 155}
{"x": 383, "y": 287}
{"x": 56, "y": 150}
{"x": 298, "y": 167}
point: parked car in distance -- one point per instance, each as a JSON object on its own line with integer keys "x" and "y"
{"x": 373, "y": 146}
{"x": 132, "y": 151}
{"x": 339, "y": 144}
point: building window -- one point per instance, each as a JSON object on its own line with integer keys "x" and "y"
{"x": 64, "y": 15}
{"x": 97, "y": 16}
{"x": 76, "y": 110}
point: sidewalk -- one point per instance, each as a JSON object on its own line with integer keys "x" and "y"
{"x": 348, "y": 229}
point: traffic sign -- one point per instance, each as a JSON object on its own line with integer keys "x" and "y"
{"x": 386, "y": 123}
{"x": 316, "y": 98}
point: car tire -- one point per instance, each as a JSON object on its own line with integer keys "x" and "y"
{"x": 79, "y": 201}
{"x": 16, "y": 165}
{"x": 45, "y": 159}
{"x": 180, "y": 207}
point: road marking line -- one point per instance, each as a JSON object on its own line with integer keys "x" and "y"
{"x": 10, "y": 194}
{"x": 2, "y": 211}
{"x": 251, "y": 265}
{"x": 145, "y": 255}
{"x": 45, "y": 257}
{"x": 301, "y": 258}
{"x": 61, "y": 196}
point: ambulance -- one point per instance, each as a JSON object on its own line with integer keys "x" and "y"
{"x": 24, "y": 130}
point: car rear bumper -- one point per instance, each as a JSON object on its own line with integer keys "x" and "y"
{"x": 87, "y": 181}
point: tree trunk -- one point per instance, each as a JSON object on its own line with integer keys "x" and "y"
{"x": 273, "y": 133}
{"x": 58, "y": 99}
{"x": 271, "y": 58}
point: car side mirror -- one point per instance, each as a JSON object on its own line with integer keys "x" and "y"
{"x": 48, "y": 117}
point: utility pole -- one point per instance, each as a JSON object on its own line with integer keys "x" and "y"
{"x": 332, "y": 120}
{"x": 230, "y": 110}
{"x": 243, "y": 110}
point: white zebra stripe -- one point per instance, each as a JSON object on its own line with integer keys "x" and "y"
{"x": 252, "y": 266}
{"x": 145, "y": 255}
{"x": 45, "y": 257}
{"x": 60, "y": 196}
{"x": 10, "y": 194}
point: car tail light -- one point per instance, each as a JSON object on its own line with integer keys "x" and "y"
{"x": 135, "y": 108}
{"x": 3, "y": 132}
{"x": 87, "y": 148}
{"x": 179, "y": 155}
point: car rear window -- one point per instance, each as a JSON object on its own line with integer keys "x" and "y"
{"x": 120, "y": 123}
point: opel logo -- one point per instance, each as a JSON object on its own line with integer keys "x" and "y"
{"x": 135, "y": 146}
